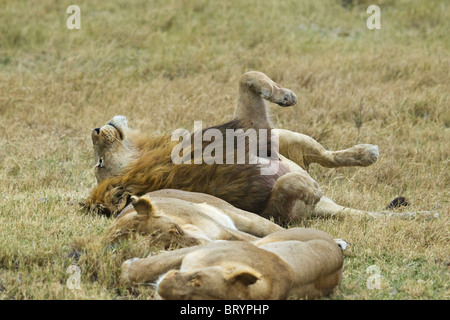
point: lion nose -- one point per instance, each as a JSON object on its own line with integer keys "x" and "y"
{"x": 97, "y": 130}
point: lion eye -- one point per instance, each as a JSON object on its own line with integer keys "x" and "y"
{"x": 100, "y": 163}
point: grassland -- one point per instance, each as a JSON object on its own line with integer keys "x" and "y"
{"x": 164, "y": 64}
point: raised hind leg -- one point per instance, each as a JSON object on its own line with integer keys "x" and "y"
{"x": 304, "y": 150}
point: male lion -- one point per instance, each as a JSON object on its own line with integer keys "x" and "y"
{"x": 129, "y": 163}
{"x": 296, "y": 262}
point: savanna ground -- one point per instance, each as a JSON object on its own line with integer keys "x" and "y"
{"x": 165, "y": 64}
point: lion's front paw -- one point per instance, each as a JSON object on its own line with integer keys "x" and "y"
{"x": 125, "y": 271}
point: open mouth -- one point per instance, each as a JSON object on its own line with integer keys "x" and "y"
{"x": 117, "y": 129}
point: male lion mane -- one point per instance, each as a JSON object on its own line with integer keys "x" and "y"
{"x": 242, "y": 185}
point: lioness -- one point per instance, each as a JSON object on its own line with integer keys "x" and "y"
{"x": 299, "y": 262}
{"x": 176, "y": 217}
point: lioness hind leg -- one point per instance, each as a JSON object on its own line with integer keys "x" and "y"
{"x": 288, "y": 190}
{"x": 304, "y": 150}
{"x": 254, "y": 88}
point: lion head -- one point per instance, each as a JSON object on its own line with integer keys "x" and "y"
{"x": 145, "y": 219}
{"x": 228, "y": 282}
{"x": 112, "y": 149}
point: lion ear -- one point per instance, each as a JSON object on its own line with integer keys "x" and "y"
{"x": 241, "y": 273}
{"x": 142, "y": 205}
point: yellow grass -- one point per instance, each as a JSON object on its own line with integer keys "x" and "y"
{"x": 165, "y": 64}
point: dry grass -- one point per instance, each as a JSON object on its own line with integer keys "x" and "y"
{"x": 164, "y": 64}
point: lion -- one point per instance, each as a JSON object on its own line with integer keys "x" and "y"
{"x": 132, "y": 164}
{"x": 176, "y": 218}
{"x": 298, "y": 262}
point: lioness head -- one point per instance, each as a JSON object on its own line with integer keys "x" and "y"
{"x": 145, "y": 219}
{"x": 227, "y": 282}
{"x": 111, "y": 147}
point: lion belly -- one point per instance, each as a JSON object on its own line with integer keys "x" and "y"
{"x": 246, "y": 192}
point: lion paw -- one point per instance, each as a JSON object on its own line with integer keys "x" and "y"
{"x": 125, "y": 270}
{"x": 283, "y": 97}
{"x": 367, "y": 154}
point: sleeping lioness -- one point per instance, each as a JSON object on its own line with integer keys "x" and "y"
{"x": 297, "y": 262}
{"x": 176, "y": 217}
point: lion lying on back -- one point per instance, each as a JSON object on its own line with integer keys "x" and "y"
{"x": 131, "y": 164}
{"x": 303, "y": 263}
